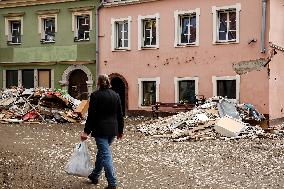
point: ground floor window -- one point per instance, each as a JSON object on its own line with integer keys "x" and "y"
{"x": 148, "y": 91}
{"x": 28, "y": 78}
{"x": 186, "y": 89}
{"x": 11, "y": 78}
{"x": 227, "y": 86}
{"x": 44, "y": 78}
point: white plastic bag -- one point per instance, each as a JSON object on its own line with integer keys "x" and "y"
{"x": 80, "y": 161}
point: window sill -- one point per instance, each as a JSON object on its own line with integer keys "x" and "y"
{"x": 81, "y": 40}
{"x": 186, "y": 45}
{"x": 46, "y": 42}
{"x": 11, "y": 43}
{"x": 149, "y": 48}
{"x": 225, "y": 42}
{"x": 120, "y": 50}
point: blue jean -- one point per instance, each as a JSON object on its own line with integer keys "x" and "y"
{"x": 104, "y": 160}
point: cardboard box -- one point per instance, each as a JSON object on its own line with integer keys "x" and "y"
{"x": 82, "y": 108}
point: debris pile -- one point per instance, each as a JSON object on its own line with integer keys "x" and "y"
{"x": 40, "y": 106}
{"x": 218, "y": 117}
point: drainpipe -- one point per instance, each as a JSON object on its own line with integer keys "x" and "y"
{"x": 97, "y": 39}
{"x": 263, "y": 25}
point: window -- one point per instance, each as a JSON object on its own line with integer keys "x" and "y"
{"x": 227, "y": 86}
{"x": 11, "y": 78}
{"x": 28, "y": 78}
{"x": 121, "y": 34}
{"x": 44, "y": 78}
{"x": 186, "y": 89}
{"x": 148, "y": 31}
{"x": 48, "y": 29}
{"x": 14, "y": 30}
{"x": 226, "y": 23}
{"x": 148, "y": 91}
{"x": 187, "y": 27}
{"x": 83, "y": 28}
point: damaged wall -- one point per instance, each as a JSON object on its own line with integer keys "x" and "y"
{"x": 276, "y": 81}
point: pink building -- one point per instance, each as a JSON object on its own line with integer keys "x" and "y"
{"x": 276, "y": 78}
{"x": 172, "y": 50}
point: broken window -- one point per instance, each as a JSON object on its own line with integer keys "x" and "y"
{"x": 187, "y": 29}
{"x": 149, "y": 32}
{"x": 49, "y": 30}
{"x": 186, "y": 91}
{"x": 44, "y": 78}
{"x": 226, "y": 88}
{"x": 28, "y": 78}
{"x": 121, "y": 28}
{"x": 11, "y": 78}
{"x": 15, "y": 32}
{"x": 148, "y": 93}
{"x": 227, "y": 25}
{"x": 83, "y": 28}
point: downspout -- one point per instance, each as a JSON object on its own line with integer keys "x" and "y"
{"x": 263, "y": 25}
{"x": 97, "y": 39}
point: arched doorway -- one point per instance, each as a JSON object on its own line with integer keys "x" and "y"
{"x": 119, "y": 85}
{"x": 77, "y": 87}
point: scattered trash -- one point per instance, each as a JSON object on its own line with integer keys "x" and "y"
{"x": 218, "y": 117}
{"x": 20, "y": 105}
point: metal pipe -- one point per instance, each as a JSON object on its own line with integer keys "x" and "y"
{"x": 263, "y": 26}
{"x": 97, "y": 40}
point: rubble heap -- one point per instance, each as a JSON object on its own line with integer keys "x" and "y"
{"x": 40, "y": 106}
{"x": 218, "y": 117}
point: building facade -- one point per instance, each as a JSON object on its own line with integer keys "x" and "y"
{"x": 48, "y": 44}
{"x": 170, "y": 51}
{"x": 276, "y": 66}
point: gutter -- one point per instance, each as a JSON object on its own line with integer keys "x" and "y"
{"x": 97, "y": 40}
{"x": 263, "y": 26}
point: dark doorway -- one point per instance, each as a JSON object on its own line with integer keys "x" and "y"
{"x": 119, "y": 87}
{"x": 77, "y": 85}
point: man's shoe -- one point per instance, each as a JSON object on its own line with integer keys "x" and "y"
{"x": 110, "y": 187}
{"x": 94, "y": 181}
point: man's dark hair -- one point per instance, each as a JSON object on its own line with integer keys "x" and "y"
{"x": 103, "y": 82}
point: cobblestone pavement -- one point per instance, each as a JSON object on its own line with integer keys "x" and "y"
{"x": 34, "y": 156}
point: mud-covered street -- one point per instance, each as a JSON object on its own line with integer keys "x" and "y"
{"x": 34, "y": 156}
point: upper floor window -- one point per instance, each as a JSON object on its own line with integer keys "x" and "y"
{"x": 148, "y": 31}
{"x": 187, "y": 27}
{"x": 226, "y": 24}
{"x": 14, "y": 28}
{"x": 83, "y": 28}
{"x": 82, "y": 23}
{"x": 47, "y": 25}
{"x": 121, "y": 34}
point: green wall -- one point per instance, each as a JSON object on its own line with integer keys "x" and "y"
{"x": 64, "y": 48}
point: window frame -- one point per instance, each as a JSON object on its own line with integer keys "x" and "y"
{"x": 177, "y": 17}
{"x": 141, "y": 39}
{"x": 75, "y": 16}
{"x": 8, "y": 28}
{"x": 41, "y": 28}
{"x": 215, "y": 13}
{"x": 236, "y": 77}
{"x": 20, "y": 82}
{"x": 176, "y": 83}
{"x": 140, "y": 90}
{"x": 114, "y": 33}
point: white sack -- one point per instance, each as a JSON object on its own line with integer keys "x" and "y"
{"x": 80, "y": 163}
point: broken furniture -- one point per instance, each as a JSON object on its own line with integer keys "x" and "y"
{"x": 163, "y": 107}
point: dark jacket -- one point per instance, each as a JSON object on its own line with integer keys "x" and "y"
{"x": 105, "y": 114}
